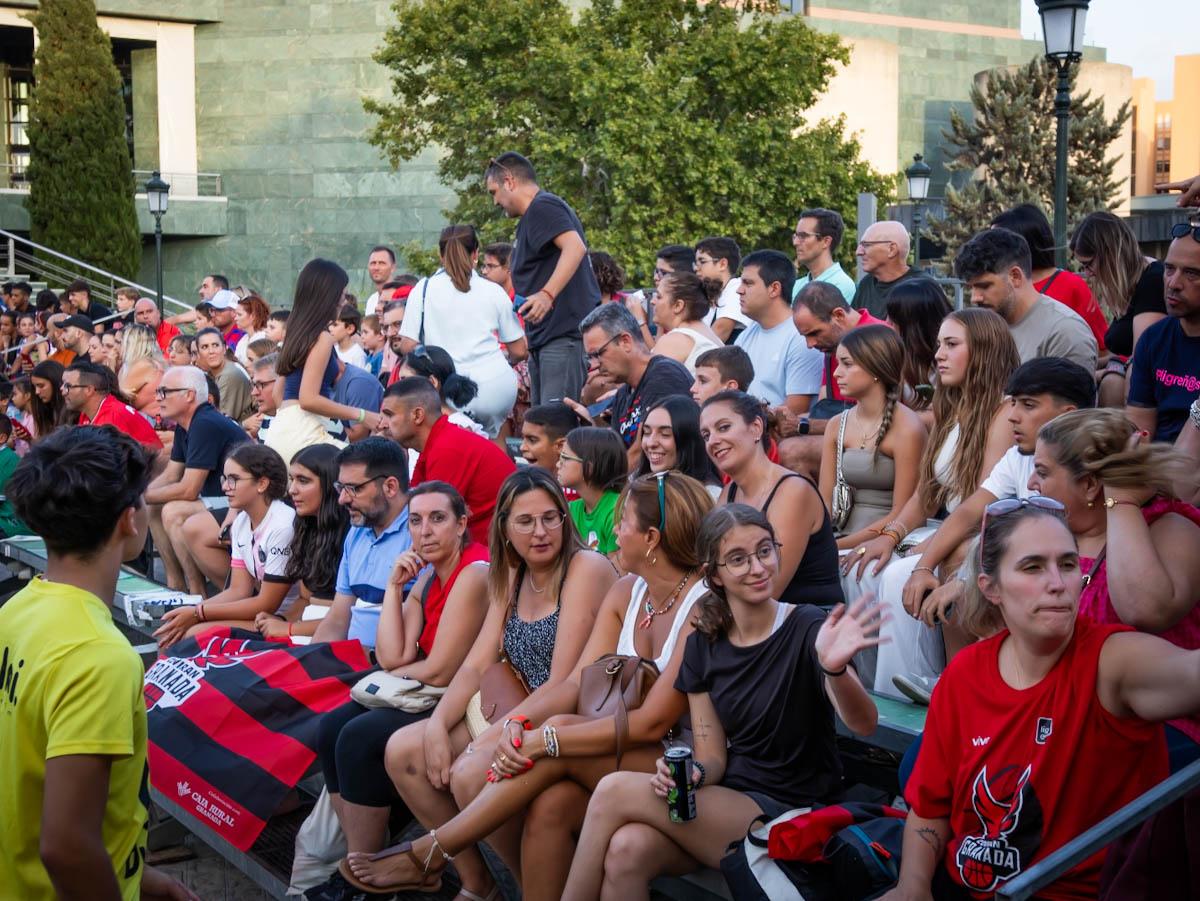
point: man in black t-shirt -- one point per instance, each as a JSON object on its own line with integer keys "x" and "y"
{"x": 551, "y": 270}
{"x": 615, "y": 347}
{"x": 203, "y": 439}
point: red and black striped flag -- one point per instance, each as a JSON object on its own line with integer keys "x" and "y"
{"x": 233, "y": 722}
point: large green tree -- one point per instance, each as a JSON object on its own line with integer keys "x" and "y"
{"x": 1009, "y": 147}
{"x": 81, "y": 180}
{"x": 661, "y": 121}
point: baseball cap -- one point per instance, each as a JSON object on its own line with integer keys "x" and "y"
{"x": 223, "y": 300}
{"x": 79, "y": 322}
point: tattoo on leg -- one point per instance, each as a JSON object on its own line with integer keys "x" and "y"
{"x": 931, "y": 838}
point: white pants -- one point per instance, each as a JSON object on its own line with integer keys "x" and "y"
{"x": 497, "y": 393}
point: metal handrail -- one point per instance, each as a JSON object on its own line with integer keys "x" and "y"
{"x": 78, "y": 267}
{"x": 14, "y": 177}
{"x": 1083, "y": 846}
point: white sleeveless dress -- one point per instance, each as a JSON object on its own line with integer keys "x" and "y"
{"x": 635, "y": 612}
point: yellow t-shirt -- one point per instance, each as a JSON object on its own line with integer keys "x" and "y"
{"x": 70, "y": 683}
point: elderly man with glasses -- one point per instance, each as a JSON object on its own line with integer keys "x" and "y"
{"x": 883, "y": 252}
{"x": 203, "y": 439}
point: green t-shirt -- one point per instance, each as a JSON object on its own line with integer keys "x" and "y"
{"x": 9, "y": 524}
{"x": 596, "y": 526}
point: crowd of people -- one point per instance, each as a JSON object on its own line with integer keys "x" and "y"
{"x": 776, "y": 488}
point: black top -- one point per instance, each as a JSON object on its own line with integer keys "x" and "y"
{"x": 872, "y": 294}
{"x": 662, "y": 378}
{"x": 534, "y": 256}
{"x": 1147, "y": 298}
{"x": 206, "y": 443}
{"x": 817, "y": 579}
{"x": 96, "y": 311}
{"x": 770, "y": 698}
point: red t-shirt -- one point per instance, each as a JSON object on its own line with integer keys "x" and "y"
{"x": 827, "y": 379}
{"x": 165, "y": 333}
{"x": 124, "y": 419}
{"x": 1020, "y": 773}
{"x": 472, "y": 464}
{"x": 435, "y": 600}
{"x": 1068, "y": 288}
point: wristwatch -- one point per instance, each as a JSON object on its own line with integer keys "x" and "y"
{"x": 803, "y": 427}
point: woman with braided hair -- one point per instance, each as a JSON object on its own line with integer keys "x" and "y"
{"x": 878, "y": 442}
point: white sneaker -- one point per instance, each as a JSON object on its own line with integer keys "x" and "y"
{"x": 918, "y": 689}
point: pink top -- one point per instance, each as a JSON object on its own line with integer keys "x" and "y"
{"x": 1095, "y": 603}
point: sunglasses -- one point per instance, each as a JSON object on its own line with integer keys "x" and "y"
{"x": 1181, "y": 229}
{"x": 662, "y": 499}
{"x": 1009, "y": 505}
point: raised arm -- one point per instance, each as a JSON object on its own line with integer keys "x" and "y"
{"x": 1146, "y": 677}
{"x": 1153, "y": 570}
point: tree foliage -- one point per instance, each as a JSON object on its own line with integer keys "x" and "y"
{"x": 1010, "y": 148}
{"x": 81, "y": 178}
{"x": 660, "y": 121}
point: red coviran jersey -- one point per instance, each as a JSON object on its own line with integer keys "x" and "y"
{"x": 1020, "y": 773}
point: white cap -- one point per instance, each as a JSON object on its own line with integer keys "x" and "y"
{"x": 223, "y": 300}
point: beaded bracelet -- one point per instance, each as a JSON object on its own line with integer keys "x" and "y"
{"x": 703, "y": 774}
{"x": 550, "y": 740}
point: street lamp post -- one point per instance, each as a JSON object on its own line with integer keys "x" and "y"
{"x": 918, "y": 190}
{"x": 156, "y": 198}
{"x": 1062, "y": 27}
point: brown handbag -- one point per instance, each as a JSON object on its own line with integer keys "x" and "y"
{"x": 614, "y": 685}
{"x": 502, "y": 687}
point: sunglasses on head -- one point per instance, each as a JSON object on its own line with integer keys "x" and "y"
{"x": 1009, "y": 505}
{"x": 1182, "y": 229}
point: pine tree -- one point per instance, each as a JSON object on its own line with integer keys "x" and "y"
{"x": 81, "y": 177}
{"x": 1010, "y": 149}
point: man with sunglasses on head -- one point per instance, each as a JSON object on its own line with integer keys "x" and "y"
{"x": 203, "y": 439}
{"x": 411, "y": 414}
{"x": 1165, "y": 373}
{"x": 373, "y": 487}
{"x": 883, "y": 253}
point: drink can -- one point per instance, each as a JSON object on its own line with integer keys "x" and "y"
{"x": 681, "y": 800}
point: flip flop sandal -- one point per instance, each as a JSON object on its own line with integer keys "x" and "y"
{"x": 429, "y": 883}
{"x": 472, "y": 896}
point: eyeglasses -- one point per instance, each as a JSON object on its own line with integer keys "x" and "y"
{"x": 804, "y": 236}
{"x": 738, "y": 563}
{"x": 161, "y": 393}
{"x": 353, "y": 489}
{"x": 869, "y": 243}
{"x": 570, "y": 458}
{"x": 1085, "y": 265}
{"x": 389, "y": 328}
{"x": 262, "y": 386}
{"x": 1011, "y": 505}
{"x": 662, "y": 273}
{"x": 525, "y": 525}
{"x": 488, "y": 267}
{"x": 662, "y": 498}
{"x": 704, "y": 261}
{"x": 593, "y": 355}
{"x": 233, "y": 480}
{"x": 65, "y": 387}
{"x": 1180, "y": 229}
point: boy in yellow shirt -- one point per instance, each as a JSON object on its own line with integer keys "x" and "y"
{"x": 73, "y": 779}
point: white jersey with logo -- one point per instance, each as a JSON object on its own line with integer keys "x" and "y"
{"x": 264, "y": 552}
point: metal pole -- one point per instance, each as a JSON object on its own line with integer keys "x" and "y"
{"x": 1062, "y": 112}
{"x": 917, "y": 235}
{"x": 158, "y": 260}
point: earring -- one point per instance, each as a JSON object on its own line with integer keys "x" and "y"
{"x": 1091, "y": 504}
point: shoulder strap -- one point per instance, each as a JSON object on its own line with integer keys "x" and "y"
{"x": 841, "y": 444}
{"x": 1050, "y": 281}
{"x": 782, "y": 479}
{"x": 511, "y": 605}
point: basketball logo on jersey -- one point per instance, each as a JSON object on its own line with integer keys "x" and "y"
{"x": 989, "y": 858}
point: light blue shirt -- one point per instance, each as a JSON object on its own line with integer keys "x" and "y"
{"x": 783, "y": 363}
{"x": 835, "y": 275}
{"x": 367, "y": 561}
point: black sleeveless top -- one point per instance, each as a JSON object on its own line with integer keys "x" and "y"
{"x": 817, "y": 579}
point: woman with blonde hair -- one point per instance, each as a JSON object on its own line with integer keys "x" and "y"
{"x": 459, "y": 310}
{"x": 976, "y": 355}
{"x": 679, "y": 310}
{"x": 1139, "y": 544}
{"x": 1129, "y": 287}
{"x": 871, "y": 459}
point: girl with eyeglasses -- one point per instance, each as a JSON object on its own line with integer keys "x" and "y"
{"x": 763, "y": 681}
{"x": 545, "y": 591}
{"x": 548, "y": 759}
{"x": 734, "y": 430}
{"x": 593, "y": 464}
{"x": 1139, "y": 544}
{"x": 1040, "y": 731}
{"x": 260, "y": 546}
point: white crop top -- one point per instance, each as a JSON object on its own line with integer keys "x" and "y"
{"x": 683, "y": 610}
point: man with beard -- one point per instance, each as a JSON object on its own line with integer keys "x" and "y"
{"x": 373, "y": 487}
{"x": 1037, "y": 391}
{"x": 997, "y": 267}
{"x": 393, "y": 315}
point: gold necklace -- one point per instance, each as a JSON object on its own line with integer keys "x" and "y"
{"x": 648, "y": 606}
{"x": 533, "y": 584}
{"x": 862, "y": 435}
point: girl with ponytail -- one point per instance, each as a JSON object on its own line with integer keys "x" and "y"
{"x": 473, "y": 320}
{"x": 878, "y": 442}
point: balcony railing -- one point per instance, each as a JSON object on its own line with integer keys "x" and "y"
{"x": 183, "y": 184}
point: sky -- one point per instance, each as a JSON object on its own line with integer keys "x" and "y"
{"x": 1148, "y": 39}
